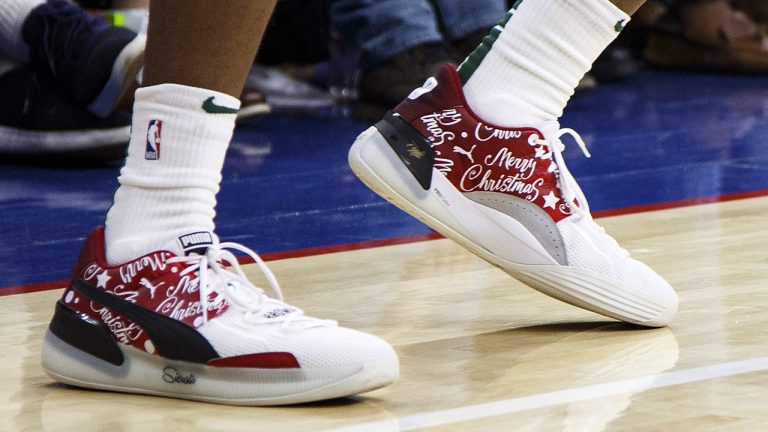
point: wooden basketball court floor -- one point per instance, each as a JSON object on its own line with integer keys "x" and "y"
{"x": 478, "y": 350}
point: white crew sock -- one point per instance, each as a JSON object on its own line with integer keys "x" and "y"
{"x": 538, "y": 59}
{"x": 169, "y": 188}
{"x": 13, "y": 13}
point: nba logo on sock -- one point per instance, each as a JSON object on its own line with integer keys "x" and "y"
{"x": 154, "y": 134}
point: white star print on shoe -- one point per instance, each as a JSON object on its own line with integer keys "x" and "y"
{"x": 176, "y": 322}
{"x": 506, "y": 195}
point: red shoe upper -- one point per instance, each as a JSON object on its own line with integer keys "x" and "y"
{"x": 477, "y": 156}
{"x": 149, "y": 282}
{"x": 153, "y": 292}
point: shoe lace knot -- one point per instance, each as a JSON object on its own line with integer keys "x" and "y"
{"x": 218, "y": 285}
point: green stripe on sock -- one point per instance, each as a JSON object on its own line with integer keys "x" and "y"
{"x": 472, "y": 62}
{"x": 506, "y": 18}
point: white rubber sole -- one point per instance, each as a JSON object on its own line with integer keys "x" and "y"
{"x": 22, "y": 141}
{"x": 148, "y": 374}
{"x": 378, "y": 166}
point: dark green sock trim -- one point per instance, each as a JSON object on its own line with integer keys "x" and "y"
{"x": 507, "y": 17}
{"x": 472, "y": 62}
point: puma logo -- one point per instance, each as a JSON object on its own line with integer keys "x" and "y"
{"x": 467, "y": 153}
{"x": 148, "y": 285}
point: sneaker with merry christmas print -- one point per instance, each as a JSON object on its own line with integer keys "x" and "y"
{"x": 177, "y": 323}
{"x": 506, "y": 195}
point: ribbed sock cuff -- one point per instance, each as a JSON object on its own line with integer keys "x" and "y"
{"x": 172, "y": 172}
{"x": 527, "y": 70}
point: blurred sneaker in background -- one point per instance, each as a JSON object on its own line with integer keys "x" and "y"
{"x": 92, "y": 61}
{"x": 38, "y": 119}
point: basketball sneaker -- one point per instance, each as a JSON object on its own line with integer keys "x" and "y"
{"x": 185, "y": 322}
{"x": 38, "y": 121}
{"x": 96, "y": 63}
{"x": 506, "y": 195}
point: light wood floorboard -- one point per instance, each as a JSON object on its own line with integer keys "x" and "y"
{"x": 468, "y": 335}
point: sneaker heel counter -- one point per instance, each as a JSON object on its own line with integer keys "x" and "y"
{"x": 85, "y": 334}
{"x": 92, "y": 251}
{"x": 411, "y": 147}
{"x": 443, "y": 91}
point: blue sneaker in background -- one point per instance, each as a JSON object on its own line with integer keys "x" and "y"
{"x": 94, "y": 62}
{"x": 39, "y": 122}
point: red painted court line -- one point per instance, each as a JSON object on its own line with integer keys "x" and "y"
{"x": 274, "y": 256}
{"x": 682, "y": 203}
{"x": 30, "y": 288}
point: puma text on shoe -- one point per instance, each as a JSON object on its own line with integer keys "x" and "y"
{"x": 181, "y": 325}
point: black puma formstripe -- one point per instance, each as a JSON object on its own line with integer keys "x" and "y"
{"x": 172, "y": 339}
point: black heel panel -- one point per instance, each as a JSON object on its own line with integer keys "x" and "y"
{"x": 411, "y": 147}
{"x": 85, "y": 335}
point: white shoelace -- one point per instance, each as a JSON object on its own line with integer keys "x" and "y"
{"x": 237, "y": 291}
{"x": 572, "y": 193}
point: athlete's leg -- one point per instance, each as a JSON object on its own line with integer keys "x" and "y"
{"x": 629, "y": 6}
{"x": 161, "y": 306}
{"x": 477, "y": 155}
{"x": 210, "y": 45}
{"x": 196, "y": 50}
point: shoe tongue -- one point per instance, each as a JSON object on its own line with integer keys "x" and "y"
{"x": 550, "y": 129}
{"x": 195, "y": 242}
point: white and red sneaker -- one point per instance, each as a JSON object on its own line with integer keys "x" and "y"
{"x": 176, "y": 323}
{"x": 506, "y": 195}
